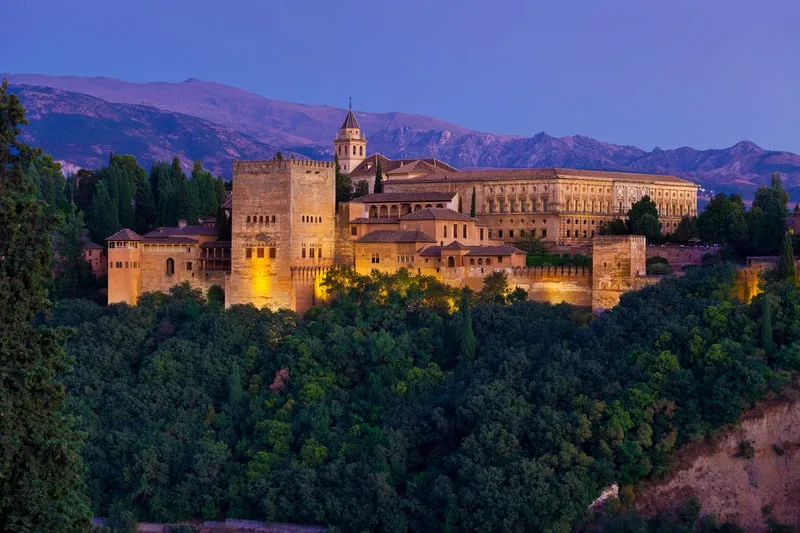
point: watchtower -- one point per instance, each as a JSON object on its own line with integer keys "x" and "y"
{"x": 350, "y": 144}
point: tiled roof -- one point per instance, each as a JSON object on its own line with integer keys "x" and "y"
{"x": 350, "y": 120}
{"x": 216, "y": 244}
{"x": 168, "y": 240}
{"x": 399, "y": 197}
{"x": 364, "y": 220}
{"x": 436, "y": 213}
{"x": 396, "y": 235}
{"x": 436, "y": 251}
{"x": 125, "y": 234}
{"x": 455, "y": 245}
{"x": 174, "y": 231}
{"x": 366, "y": 169}
{"x": 494, "y": 250}
{"x": 89, "y": 245}
{"x": 499, "y": 174}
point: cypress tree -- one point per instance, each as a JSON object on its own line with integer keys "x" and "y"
{"x": 145, "y": 207}
{"x": 786, "y": 267}
{"x": 767, "y": 343}
{"x": 75, "y": 274}
{"x": 41, "y": 485}
{"x": 472, "y": 207}
{"x": 102, "y": 219}
{"x": 378, "y": 178}
{"x": 467, "y": 352}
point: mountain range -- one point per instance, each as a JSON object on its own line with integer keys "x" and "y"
{"x": 80, "y": 120}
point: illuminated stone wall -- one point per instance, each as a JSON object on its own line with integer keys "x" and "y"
{"x": 283, "y": 217}
{"x": 617, "y": 263}
{"x": 124, "y": 272}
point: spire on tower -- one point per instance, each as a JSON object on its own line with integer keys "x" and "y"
{"x": 351, "y": 102}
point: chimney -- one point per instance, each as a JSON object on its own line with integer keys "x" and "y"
{"x": 182, "y": 223}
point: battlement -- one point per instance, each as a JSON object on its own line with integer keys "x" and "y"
{"x": 274, "y": 165}
{"x": 617, "y": 239}
{"x": 552, "y": 272}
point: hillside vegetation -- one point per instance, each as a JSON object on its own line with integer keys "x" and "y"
{"x": 379, "y": 413}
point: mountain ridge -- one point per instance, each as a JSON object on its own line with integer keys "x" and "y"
{"x": 221, "y": 122}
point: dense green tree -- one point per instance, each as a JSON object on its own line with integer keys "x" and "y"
{"x": 786, "y": 266}
{"x": 686, "y": 230}
{"x": 189, "y": 206}
{"x": 84, "y": 185}
{"x": 344, "y": 185}
{"x": 643, "y": 219}
{"x": 615, "y": 226}
{"x": 146, "y": 215}
{"x": 41, "y": 486}
{"x": 472, "y": 211}
{"x": 767, "y": 217}
{"x": 378, "y": 187}
{"x": 767, "y": 341}
{"x": 102, "y": 219}
{"x": 74, "y": 277}
{"x": 361, "y": 189}
{"x": 467, "y": 352}
{"x": 723, "y": 221}
{"x": 495, "y": 287}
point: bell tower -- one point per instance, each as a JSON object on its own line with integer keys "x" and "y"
{"x": 350, "y": 145}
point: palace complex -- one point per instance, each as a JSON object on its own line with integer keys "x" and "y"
{"x": 287, "y": 231}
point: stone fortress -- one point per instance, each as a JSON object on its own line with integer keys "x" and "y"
{"x": 287, "y": 231}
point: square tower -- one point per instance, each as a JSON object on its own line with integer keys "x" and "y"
{"x": 283, "y": 217}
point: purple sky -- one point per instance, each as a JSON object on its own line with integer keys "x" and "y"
{"x": 668, "y": 73}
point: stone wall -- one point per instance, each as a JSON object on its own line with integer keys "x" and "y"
{"x": 297, "y": 200}
{"x": 681, "y": 255}
{"x": 124, "y": 274}
{"x": 617, "y": 263}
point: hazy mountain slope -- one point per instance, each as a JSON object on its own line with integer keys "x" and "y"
{"x": 83, "y": 130}
{"x": 271, "y": 121}
{"x": 242, "y": 124}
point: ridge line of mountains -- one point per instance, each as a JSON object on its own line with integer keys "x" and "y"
{"x": 80, "y": 120}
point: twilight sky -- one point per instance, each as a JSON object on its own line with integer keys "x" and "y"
{"x": 667, "y": 73}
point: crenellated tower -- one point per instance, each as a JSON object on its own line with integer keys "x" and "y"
{"x": 350, "y": 145}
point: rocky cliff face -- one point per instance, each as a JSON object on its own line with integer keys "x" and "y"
{"x": 81, "y": 119}
{"x": 738, "y": 483}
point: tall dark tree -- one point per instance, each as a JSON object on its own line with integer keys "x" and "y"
{"x": 643, "y": 219}
{"x": 723, "y": 221}
{"x": 767, "y": 218}
{"x": 786, "y": 267}
{"x": 378, "y": 187}
{"x": 472, "y": 211}
{"x": 41, "y": 487}
{"x": 344, "y": 185}
{"x": 767, "y": 340}
{"x": 686, "y": 230}
{"x": 102, "y": 218}
{"x": 468, "y": 345}
{"x": 74, "y": 277}
{"x": 616, "y": 226}
{"x": 146, "y": 215}
{"x": 223, "y": 225}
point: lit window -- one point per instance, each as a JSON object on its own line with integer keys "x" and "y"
{"x": 375, "y": 258}
{"x": 272, "y": 252}
{"x": 260, "y": 253}
{"x": 248, "y": 253}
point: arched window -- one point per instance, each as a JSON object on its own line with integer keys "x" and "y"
{"x": 261, "y": 219}
{"x": 273, "y": 219}
{"x": 248, "y": 219}
{"x": 451, "y": 262}
{"x": 393, "y": 211}
{"x": 340, "y": 150}
{"x": 373, "y": 212}
{"x": 471, "y": 260}
{"x": 170, "y": 266}
{"x": 384, "y": 212}
{"x": 319, "y": 252}
{"x": 311, "y": 252}
{"x": 354, "y": 150}
{"x": 303, "y": 253}
{"x": 488, "y": 261}
{"x": 360, "y": 150}
{"x": 480, "y": 260}
{"x": 302, "y": 218}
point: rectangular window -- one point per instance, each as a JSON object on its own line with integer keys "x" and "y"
{"x": 375, "y": 258}
{"x": 464, "y": 231}
{"x": 445, "y": 231}
{"x": 481, "y": 233}
{"x": 491, "y": 206}
{"x": 502, "y": 206}
{"x": 455, "y": 231}
{"x": 248, "y": 253}
{"x": 188, "y": 265}
{"x": 490, "y": 234}
{"x": 544, "y": 204}
{"x": 499, "y": 258}
{"x": 511, "y": 234}
{"x": 533, "y": 205}
{"x": 354, "y": 231}
{"x": 311, "y": 253}
{"x": 260, "y": 253}
{"x": 500, "y": 233}
{"x": 303, "y": 253}
{"x": 512, "y": 206}
{"x": 119, "y": 264}
{"x": 544, "y": 233}
{"x": 523, "y": 206}
{"x": 272, "y": 252}
{"x": 319, "y": 253}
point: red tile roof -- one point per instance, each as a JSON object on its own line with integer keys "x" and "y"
{"x": 364, "y": 220}
{"x": 436, "y": 251}
{"x": 366, "y": 169}
{"x": 168, "y": 240}
{"x": 399, "y": 197}
{"x": 216, "y": 244}
{"x": 174, "y": 231}
{"x": 396, "y": 235}
{"x": 125, "y": 234}
{"x": 436, "y": 213}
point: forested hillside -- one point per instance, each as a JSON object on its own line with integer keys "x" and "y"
{"x": 388, "y": 411}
